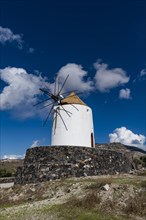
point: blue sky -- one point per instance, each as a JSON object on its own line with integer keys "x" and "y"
{"x": 101, "y": 44}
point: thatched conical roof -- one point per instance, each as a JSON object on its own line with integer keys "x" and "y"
{"x": 72, "y": 98}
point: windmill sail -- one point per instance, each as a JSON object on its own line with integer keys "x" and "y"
{"x": 72, "y": 122}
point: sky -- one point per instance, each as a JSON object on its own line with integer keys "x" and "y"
{"x": 101, "y": 44}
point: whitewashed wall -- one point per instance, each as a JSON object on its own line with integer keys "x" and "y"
{"x": 79, "y": 126}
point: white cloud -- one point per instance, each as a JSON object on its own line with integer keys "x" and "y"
{"x": 35, "y": 143}
{"x": 143, "y": 72}
{"x": 127, "y": 137}
{"x": 107, "y": 79}
{"x": 13, "y": 157}
{"x": 22, "y": 89}
{"x": 31, "y": 50}
{"x": 21, "y": 92}
{"x": 6, "y": 35}
{"x": 76, "y": 80}
{"x": 124, "y": 94}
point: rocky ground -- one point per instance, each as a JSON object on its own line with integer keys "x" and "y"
{"x": 116, "y": 197}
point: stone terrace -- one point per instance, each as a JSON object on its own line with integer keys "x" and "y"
{"x": 57, "y": 162}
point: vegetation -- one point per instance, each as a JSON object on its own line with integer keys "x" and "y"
{"x": 143, "y": 159}
{"x": 89, "y": 201}
{"x": 98, "y": 184}
{"x": 143, "y": 173}
{"x": 136, "y": 205}
{"x": 77, "y": 199}
{"x": 6, "y": 172}
{"x": 71, "y": 212}
{"x": 140, "y": 161}
{"x": 90, "y": 207}
{"x": 8, "y": 168}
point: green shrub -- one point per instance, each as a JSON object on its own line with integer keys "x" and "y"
{"x": 139, "y": 162}
{"x": 143, "y": 159}
{"x": 6, "y": 173}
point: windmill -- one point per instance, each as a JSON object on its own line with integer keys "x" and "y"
{"x": 72, "y": 121}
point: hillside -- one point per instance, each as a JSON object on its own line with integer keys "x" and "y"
{"x": 122, "y": 148}
{"x": 115, "y": 197}
{"x": 102, "y": 197}
{"x": 8, "y": 167}
{"x": 138, "y": 154}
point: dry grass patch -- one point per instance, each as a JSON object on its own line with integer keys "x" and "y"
{"x": 89, "y": 201}
{"x": 143, "y": 173}
{"x": 143, "y": 184}
{"x": 99, "y": 183}
{"x": 136, "y": 205}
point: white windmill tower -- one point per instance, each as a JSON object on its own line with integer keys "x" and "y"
{"x": 72, "y": 123}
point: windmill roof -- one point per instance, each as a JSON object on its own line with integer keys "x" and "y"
{"x": 72, "y": 98}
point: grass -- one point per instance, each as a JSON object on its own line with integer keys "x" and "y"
{"x": 142, "y": 184}
{"x": 136, "y": 205}
{"x": 135, "y": 182}
{"x": 79, "y": 207}
{"x": 8, "y": 168}
{"x": 89, "y": 201}
{"x": 142, "y": 173}
{"x": 70, "y": 211}
{"x": 59, "y": 212}
{"x": 99, "y": 183}
{"x": 84, "y": 208}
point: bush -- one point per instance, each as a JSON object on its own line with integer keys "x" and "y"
{"x": 138, "y": 162}
{"x": 142, "y": 173}
{"x": 143, "y": 159}
{"x": 6, "y": 173}
{"x": 89, "y": 201}
{"x": 143, "y": 184}
{"x": 136, "y": 204}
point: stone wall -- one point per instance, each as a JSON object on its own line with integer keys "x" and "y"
{"x": 56, "y": 162}
{"x": 7, "y": 179}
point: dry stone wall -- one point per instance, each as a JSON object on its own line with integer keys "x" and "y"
{"x": 56, "y": 162}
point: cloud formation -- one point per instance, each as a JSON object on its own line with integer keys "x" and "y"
{"x": 31, "y": 50}
{"x": 143, "y": 72}
{"x": 106, "y": 79}
{"x": 127, "y": 137}
{"x": 78, "y": 78}
{"x": 6, "y": 35}
{"x": 13, "y": 157}
{"x": 125, "y": 94}
{"x": 35, "y": 143}
{"x": 22, "y": 90}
